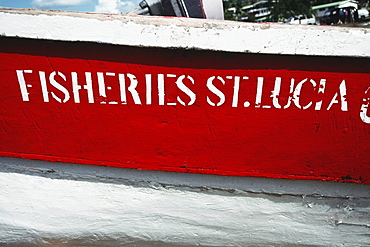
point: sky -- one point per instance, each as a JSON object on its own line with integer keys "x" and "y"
{"x": 104, "y": 6}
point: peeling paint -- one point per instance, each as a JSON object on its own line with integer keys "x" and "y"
{"x": 333, "y": 41}
{"x": 110, "y": 207}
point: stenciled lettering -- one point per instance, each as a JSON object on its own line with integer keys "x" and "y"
{"x": 115, "y": 88}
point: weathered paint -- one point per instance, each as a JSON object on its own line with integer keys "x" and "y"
{"x": 215, "y": 112}
{"x": 70, "y": 204}
{"x": 43, "y": 203}
{"x": 293, "y": 117}
{"x": 186, "y": 33}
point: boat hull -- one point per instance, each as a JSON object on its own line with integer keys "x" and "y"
{"x": 238, "y": 114}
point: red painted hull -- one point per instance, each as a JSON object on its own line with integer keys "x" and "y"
{"x": 294, "y": 117}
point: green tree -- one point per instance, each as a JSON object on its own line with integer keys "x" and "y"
{"x": 283, "y": 9}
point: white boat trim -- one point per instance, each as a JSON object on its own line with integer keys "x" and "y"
{"x": 53, "y": 203}
{"x": 185, "y": 33}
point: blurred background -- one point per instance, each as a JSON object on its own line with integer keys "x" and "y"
{"x": 310, "y": 12}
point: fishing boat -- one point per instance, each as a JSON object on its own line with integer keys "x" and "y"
{"x": 154, "y": 113}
